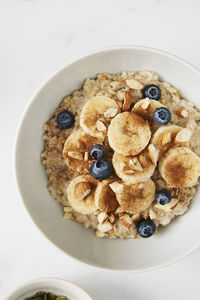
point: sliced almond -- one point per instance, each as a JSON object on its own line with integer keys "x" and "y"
{"x": 110, "y": 112}
{"x": 166, "y": 138}
{"x": 182, "y": 112}
{"x": 99, "y": 234}
{"x": 68, "y": 215}
{"x": 121, "y": 214}
{"x": 100, "y": 126}
{"x": 102, "y": 217}
{"x": 146, "y": 104}
{"x": 68, "y": 209}
{"x": 105, "y": 227}
{"x": 119, "y": 210}
{"x": 76, "y": 155}
{"x": 111, "y": 218}
{"x": 167, "y": 207}
{"x": 120, "y": 95}
{"x": 116, "y": 187}
{"x": 183, "y": 136}
{"x": 135, "y": 217}
{"x": 86, "y": 156}
{"x": 133, "y": 84}
{"x": 135, "y": 165}
{"x": 129, "y": 172}
{"x": 126, "y": 221}
{"x": 153, "y": 154}
{"x": 152, "y": 214}
{"x": 128, "y": 99}
{"x": 82, "y": 190}
{"x": 143, "y": 160}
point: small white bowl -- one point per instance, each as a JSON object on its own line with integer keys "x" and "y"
{"x": 59, "y": 287}
{"x": 172, "y": 243}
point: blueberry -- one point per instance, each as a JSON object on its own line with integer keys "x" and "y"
{"x": 65, "y": 119}
{"x": 101, "y": 169}
{"x": 97, "y": 151}
{"x": 146, "y": 228}
{"x": 162, "y": 116}
{"x": 152, "y": 91}
{"x": 163, "y": 197}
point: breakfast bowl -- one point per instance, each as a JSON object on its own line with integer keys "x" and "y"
{"x": 170, "y": 244}
{"x": 56, "y": 286}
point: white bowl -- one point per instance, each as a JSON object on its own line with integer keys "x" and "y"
{"x": 178, "y": 239}
{"x": 59, "y": 287}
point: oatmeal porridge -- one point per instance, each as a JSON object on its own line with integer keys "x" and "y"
{"x": 122, "y": 154}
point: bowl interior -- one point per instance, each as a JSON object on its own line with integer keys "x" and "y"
{"x": 180, "y": 237}
{"x": 57, "y": 286}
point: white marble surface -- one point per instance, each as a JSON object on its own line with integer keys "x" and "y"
{"x": 37, "y": 37}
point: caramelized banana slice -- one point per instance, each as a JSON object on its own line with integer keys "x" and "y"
{"x": 180, "y": 167}
{"x": 134, "y": 169}
{"x": 76, "y": 151}
{"x": 167, "y": 136}
{"x": 137, "y": 197}
{"x": 105, "y": 198}
{"x": 97, "y": 114}
{"x": 128, "y": 134}
{"x": 146, "y": 107}
{"x": 80, "y": 193}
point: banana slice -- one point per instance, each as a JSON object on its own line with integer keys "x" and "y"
{"x": 105, "y": 198}
{"x": 167, "y": 136}
{"x": 80, "y": 193}
{"x": 180, "y": 167}
{"x": 76, "y": 151}
{"x": 128, "y": 134}
{"x": 146, "y": 107}
{"x": 97, "y": 114}
{"x": 137, "y": 198}
{"x": 133, "y": 169}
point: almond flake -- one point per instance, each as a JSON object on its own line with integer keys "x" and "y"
{"x": 68, "y": 215}
{"x": 182, "y": 112}
{"x": 81, "y": 191}
{"x": 76, "y": 155}
{"x": 166, "y": 138}
{"x": 133, "y": 84}
{"x": 128, "y": 99}
{"x": 110, "y": 112}
{"x": 153, "y": 153}
{"x": 68, "y": 209}
{"x": 129, "y": 172}
{"x": 105, "y": 227}
{"x": 152, "y": 214}
{"x": 116, "y": 187}
{"x": 135, "y": 165}
{"x": 135, "y": 217}
{"x": 120, "y": 95}
{"x": 100, "y": 126}
{"x": 143, "y": 160}
{"x": 86, "y": 156}
{"x": 119, "y": 210}
{"x": 102, "y": 217}
{"x": 145, "y": 104}
{"x": 99, "y": 234}
{"x": 111, "y": 218}
{"x": 126, "y": 221}
{"x": 183, "y": 136}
